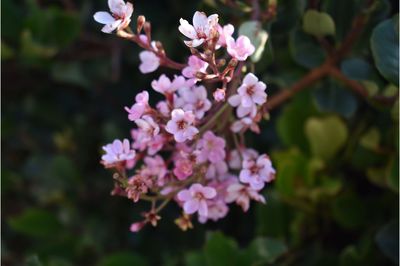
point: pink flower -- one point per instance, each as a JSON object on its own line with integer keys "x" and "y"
{"x": 155, "y": 144}
{"x": 137, "y": 110}
{"x": 217, "y": 170}
{"x": 195, "y": 199}
{"x": 257, "y": 172}
{"x": 149, "y": 62}
{"x": 252, "y": 91}
{"x": 117, "y": 152}
{"x": 155, "y": 166}
{"x": 183, "y": 169}
{"x": 137, "y": 185}
{"x": 195, "y": 65}
{"x": 241, "y": 111}
{"x": 163, "y": 108}
{"x": 165, "y": 86}
{"x": 136, "y": 227}
{"x": 219, "y": 95}
{"x": 242, "y": 194}
{"x": 235, "y": 161}
{"x": 217, "y": 209}
{"x": 119, "y": 19}
{"x": 243, "y": 124}
{"x": 148, "y": 127}
{"x": 212, "y": 148}
{"x": 195, "y": 100}
{"x": 180, "y": 125}
{"x": 225, "y": 33}
{"x": 240, "y": 49}
{"x": 202, "y": 30}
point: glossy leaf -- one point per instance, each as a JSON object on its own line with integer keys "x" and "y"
{"x": 305, "y": 50}
{"x": 326, "y": 136}
{"x": 318, "y": 23}
{"x": 385, "y": 49}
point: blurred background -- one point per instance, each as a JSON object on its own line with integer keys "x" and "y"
{"x": 64, "y": 86}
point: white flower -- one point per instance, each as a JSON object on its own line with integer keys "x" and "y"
{"x": 119, "y": 18}
{"x": 202, "y": 29}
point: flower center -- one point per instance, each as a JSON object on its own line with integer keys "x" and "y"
{"x": 254, "y": 169}
{"x": 181, "y": 124}
{"x": 201, "y": 34}
{"x": 199, "y": 196}
{"x": 250, "y": 90}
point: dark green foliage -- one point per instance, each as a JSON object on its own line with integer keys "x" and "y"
{"x": 64, "y": 86}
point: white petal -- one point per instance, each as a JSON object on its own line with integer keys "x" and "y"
{"x": 250, "y": 79}
{"x": 200, "y": 20}
{"x": 110, "y": 27}
{"x": 103, "y": 17}
{"x": 186, "y": 29}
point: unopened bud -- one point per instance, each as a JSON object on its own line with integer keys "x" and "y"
{"x": 233, "y": 62}
{"x": 221, "y": 62}
{"x": 219, "y": 95}
{"x": 147, "y": 30}
{"x": 141, "y": 20}
{"x": 159, "y": 46}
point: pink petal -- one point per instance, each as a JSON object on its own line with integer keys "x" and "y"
{"x": 203, "y": 208}
{"x": 184, "y": 195}
{"x": 209, "y": 192}
{"x": 191, "y": 206}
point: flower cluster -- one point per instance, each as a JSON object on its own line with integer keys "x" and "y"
{"x": 190, "y": 147}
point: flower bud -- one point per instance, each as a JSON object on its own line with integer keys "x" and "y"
{"x": 219, "y": 95}
{"x": 141, "y": 20}
{"x": 221, "y": 62}
{"x": 233, "y": 62}
{"x": 147, "y": 30}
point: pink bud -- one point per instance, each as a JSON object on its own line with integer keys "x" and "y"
{"x": 219, "y": 95}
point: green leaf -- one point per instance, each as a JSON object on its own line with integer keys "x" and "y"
{"x": 356, "y": 68}
{"x": 342, "y": 12}
{"x": 292, "y": 118}
{"x": 6, "y": 51}
{"x": 32, "y": 49}
{"x": 220, "y": 250}
{"x": 289, "y": 13}
{"x": 258, "y": 37}
{"x": 371, "y": 87}
{"x": 277, "y": 227}
{"x": 385, "y": 49}
{"x": 264, "y": 250}
{"x": 36, "y": 223}
{"x": 388, "y": 241}
{"x": 122, "y": 259}
{"x": 305, "y": 50}
{"x": 195, "y": 259}
{"x": 318, "y": 23}
{"x": 326, "y": 136}
{"x": 291, "y": 169}
{"x": 370, "y": 140}
{"x": 33, "y": 261}
{"x": 350, "y": 257}
{"x": 331, "y": 97}
{"x": 349, "y": 211}
{"x": 70, "y": 73}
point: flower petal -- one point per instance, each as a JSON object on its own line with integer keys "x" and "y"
{"x": 103, "y": 17}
